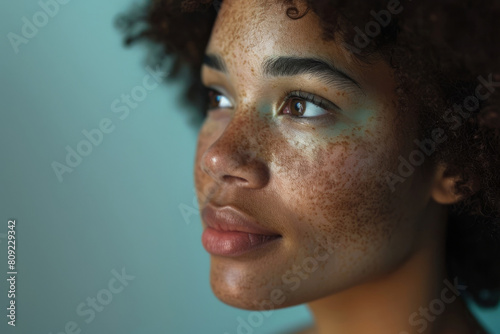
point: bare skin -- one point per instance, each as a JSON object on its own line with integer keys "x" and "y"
{"x": 362, "y": 256}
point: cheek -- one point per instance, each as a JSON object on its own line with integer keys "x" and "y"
{"x": 334, "y": 177}
{"x": 341, "y": 199}
{"x": 349, "y": 183}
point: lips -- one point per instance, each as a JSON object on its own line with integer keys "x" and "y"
{"x": 230, "y": 232}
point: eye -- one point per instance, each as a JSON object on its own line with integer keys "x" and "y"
{"x": 216, "y": 100}
{"x": 306, "y": 105}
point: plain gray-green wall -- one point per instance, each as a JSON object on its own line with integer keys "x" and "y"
{"x": 119, "y": 209}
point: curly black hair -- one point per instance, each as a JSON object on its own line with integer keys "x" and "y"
{"x": 440, "y": 52}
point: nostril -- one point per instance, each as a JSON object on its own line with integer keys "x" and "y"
{"x": 233, "y": 178}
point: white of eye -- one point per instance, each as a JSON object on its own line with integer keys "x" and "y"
{"x": 312, "y": 110}
{"x": 223, "y": 101}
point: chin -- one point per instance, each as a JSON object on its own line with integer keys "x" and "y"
{"x": 284, "y": 278}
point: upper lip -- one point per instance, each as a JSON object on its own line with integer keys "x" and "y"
{"x": 228, "y": 218}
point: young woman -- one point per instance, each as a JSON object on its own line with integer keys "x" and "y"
{"x": 349, "y": 155}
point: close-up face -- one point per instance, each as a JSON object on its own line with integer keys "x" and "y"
{"x": 299, "y": 138}
{"x": 255, "y": 166}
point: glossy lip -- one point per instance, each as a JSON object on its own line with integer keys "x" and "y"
{"x": 228, "y": 218}
{"x": 230, "y": 232}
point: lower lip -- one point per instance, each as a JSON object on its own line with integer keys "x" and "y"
{"x": 233, "y": 243}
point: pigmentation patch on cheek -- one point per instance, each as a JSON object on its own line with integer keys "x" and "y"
{"x": 342, "y": 185}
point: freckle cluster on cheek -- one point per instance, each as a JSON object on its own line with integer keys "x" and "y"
{"x": 341, "y": 187}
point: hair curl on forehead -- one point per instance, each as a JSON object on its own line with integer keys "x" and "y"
{"x": 439, "y": 51}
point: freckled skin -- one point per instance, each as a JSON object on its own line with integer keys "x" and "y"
{"x": 321, "y": 186}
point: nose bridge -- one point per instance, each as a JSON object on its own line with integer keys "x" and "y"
{"x": 236, "y": 137}
{"x": 237, "y": 143}
{"x": 234, "y": 155}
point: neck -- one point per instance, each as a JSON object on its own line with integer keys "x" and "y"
{"x": 417, "y": 297}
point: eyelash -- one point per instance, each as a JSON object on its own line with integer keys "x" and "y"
{"x": 316, "y": 100}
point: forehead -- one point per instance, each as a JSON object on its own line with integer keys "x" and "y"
{"x": 249, "y": 31}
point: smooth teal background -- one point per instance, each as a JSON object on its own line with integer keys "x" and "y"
{"x": 120, "y": 207}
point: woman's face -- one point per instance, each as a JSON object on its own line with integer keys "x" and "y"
{"x": 304, "y": 153}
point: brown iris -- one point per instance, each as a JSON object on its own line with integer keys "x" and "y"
{"x": 213, "y": 99}
{"x": 295, "y": 107}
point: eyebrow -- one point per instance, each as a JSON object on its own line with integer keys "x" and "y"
{"x": 215, "y": 61}
{"x": 283, "y": 66}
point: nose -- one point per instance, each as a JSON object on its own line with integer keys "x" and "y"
{"x": 233, "y": 157}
